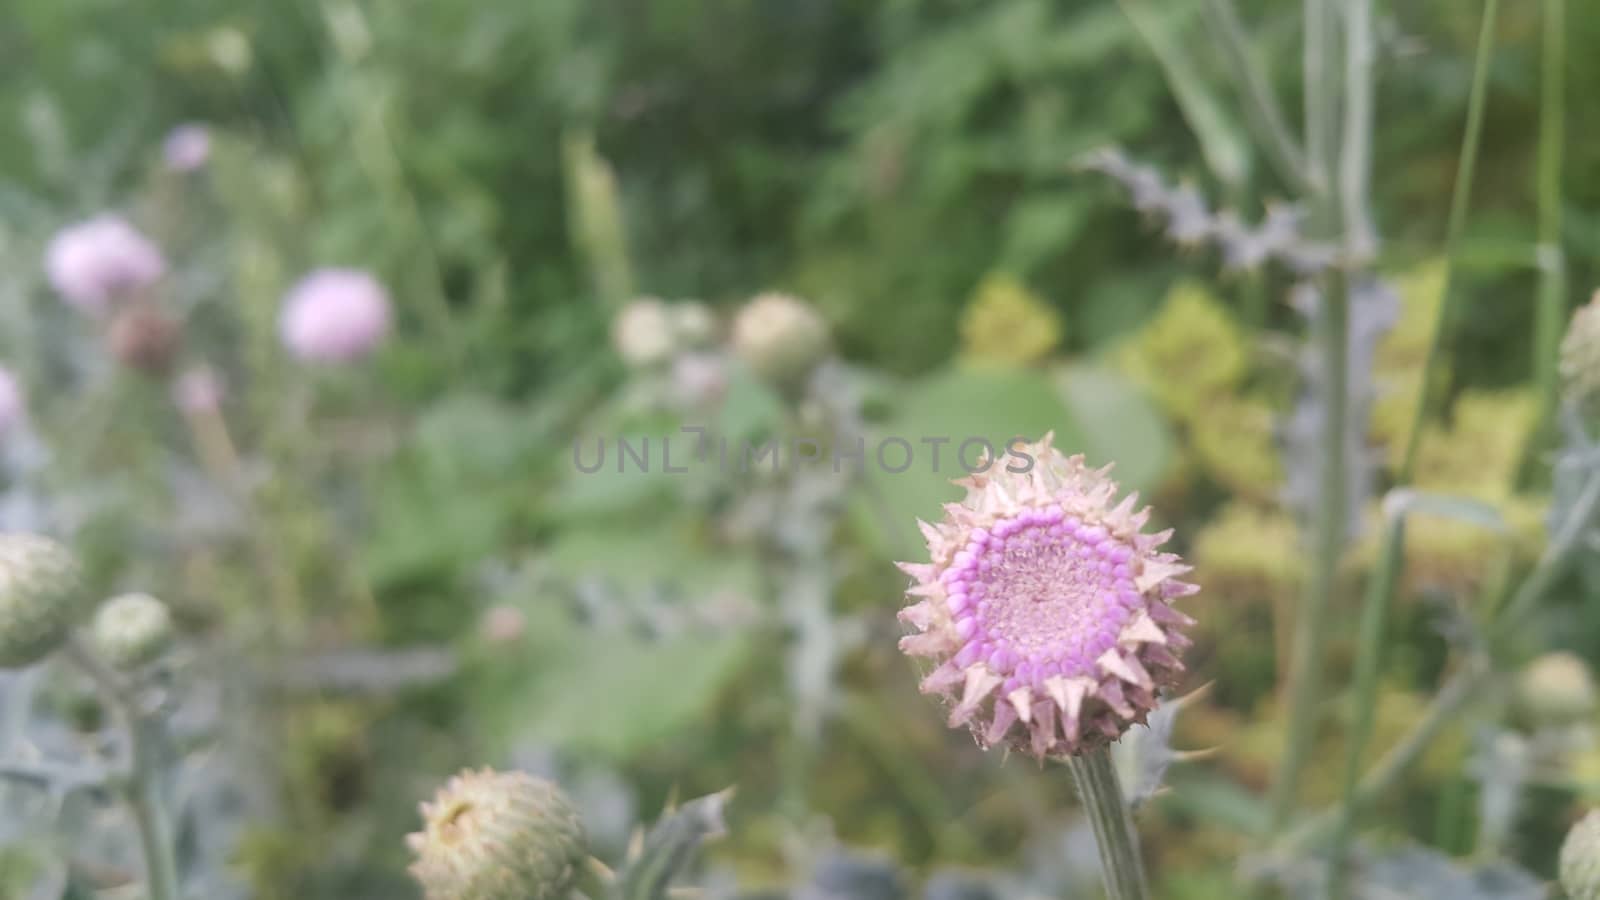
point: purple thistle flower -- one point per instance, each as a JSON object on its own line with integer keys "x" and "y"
{"x": 93, "y": 264}
{"x": 335, "y": 315}
{"x": 1045, "y": 609}
{"x": 187, "y": 148}
{"x": 199, "y": 390}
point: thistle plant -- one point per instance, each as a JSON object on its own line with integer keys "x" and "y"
{"x": 1047, "y": 613}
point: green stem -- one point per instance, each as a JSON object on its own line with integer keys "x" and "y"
{"x": 1304, "y": 685}
{"x": 1460, "y": 201}
{"x": 143, "y": 790}
{"x": 1552, "y": 269}
{"x": 1114, "y": 834}
{"x": 1364, "y": 699}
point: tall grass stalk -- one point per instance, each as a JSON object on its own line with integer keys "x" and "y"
{"x": 1552, "y": 292}
{"x": 1460, "y": 202}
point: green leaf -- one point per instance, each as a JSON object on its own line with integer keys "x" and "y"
{"x": 1120, "y": 424}
{"x": 671, "y": 845}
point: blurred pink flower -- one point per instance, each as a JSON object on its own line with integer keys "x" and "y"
{"x": 700, "y": 379}
{"x": 335, "y": 315}
{"x": 13, "y": 406}
{"x": 94, "y": 263}
{"x": 198, "y": 390}
{"x": 1046, "y": 610}
{"x": 187, "y": 147}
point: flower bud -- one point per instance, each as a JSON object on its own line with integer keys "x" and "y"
{"x": 335, "y": 316}
{"x": 144, "y": 339}
{"x": 40, "y": 592}
{"x": 780, "y": 337}
{"x": 1580, "y": 859}
{"x": 1556, "y": 689}
{"x": 1580, "y": 357}
{"x": 491, "y": 835}
{"x": 132, "y": 629}
{"x": 644, "y": 333}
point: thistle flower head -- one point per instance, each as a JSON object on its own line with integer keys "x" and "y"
{"x": 13, "y": 406}
{"x": 95, "y": 263}
{"x": 780, "y": 337}
{"x": 198, "y": 390}
{"x": 1580, "y": 356}
{"x": 643, "y": 332}
{"x": 498, "y": 836}
{"x": 335, "y": 315}
{"x": 39, "y": 598}
{"x": 132, "y": 629}
{"x": 1580, "y": 859}
{"x": 1045, "y": 609}
{"x": 1556, "y": 689}
{"x": 186, "y": 148}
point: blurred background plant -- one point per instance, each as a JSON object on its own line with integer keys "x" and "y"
{"x": 547, "y": 228}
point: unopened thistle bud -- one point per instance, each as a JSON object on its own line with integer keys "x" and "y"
{"x": 643, "y": 333}
{"x": 1580, "y": 859}
{"x": 39, "y": 598}
{"x": 1046, "y": 610}
{"x": 1556, "y": 689}
{"x": 131, "y": 630}
{"x": 1580, "y": 357}
{"x": 144, "y": 338}
{"x": 335, "y": 316}
{"x": 498, "y": 836}
{"x": 780, "y": 337}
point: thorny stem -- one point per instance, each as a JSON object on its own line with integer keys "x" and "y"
{"x": 1460, "y": 201}
{"x": 1261, "y": 106}
{"x": 1114, "y": 834}
{"x": 143, "y": 790}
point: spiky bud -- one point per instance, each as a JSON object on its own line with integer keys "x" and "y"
{"x": 780, "y": 337}
{"x": 39, "y": 598}
{"x": 1046, "y": 609}
{"x": 131, "y": 630}
{"x": 1556, "y": 689}
{"x": 491, "y": 835}
{"x": 335, "y": 316}
{"x": 643, "y": 333}
{"x": 1580, "y": 357}
{"x": 1580, "y": 859}
{"x": 144, "y": 338}
{"x": 694, "y": 324}
{"x": 94, "y": 264}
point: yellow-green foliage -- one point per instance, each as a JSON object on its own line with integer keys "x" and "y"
{"x": 1190, "y": 354}
{"x": 1247, "y": 554}
{"x": 1233, "y": 441}
{"x": 1479, "y": 451}
{"x": 1403, "y": 352}
{"x": 1007, "y": 323}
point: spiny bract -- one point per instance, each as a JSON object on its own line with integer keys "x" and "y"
{"x": 1045, "y": 609}
{"x": 1580, "y": 859}
{"x": 491, "y": 835}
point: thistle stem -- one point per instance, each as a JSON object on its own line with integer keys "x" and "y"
{"x": 1364, "y": 699}
{"x": 1550, "y": 259}
{"x": 1114, "y": 834}
{"x": 143, "y": 791}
